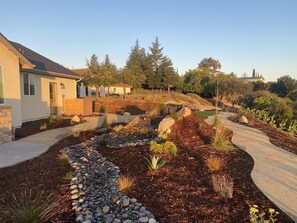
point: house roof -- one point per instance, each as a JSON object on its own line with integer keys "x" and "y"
{"x": 252, "y": 78}
{"x": 81, "y": 71}
{"x": 23, "y": 60}
{"x": 42, "y": 64}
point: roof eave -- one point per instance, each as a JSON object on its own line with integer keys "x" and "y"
{"x": 23, "y": 60}
{"x": 49, "y": 73}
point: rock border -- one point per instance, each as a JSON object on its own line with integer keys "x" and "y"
{"x": 94, "y": 191}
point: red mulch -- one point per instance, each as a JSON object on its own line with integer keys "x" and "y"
{"x": 181, "y": 191}
{"x": 276, "y": 136}
{"x": 44, "y": 173}
{"x": 33, "y": 127}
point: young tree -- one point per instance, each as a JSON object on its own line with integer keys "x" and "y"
{"x": 209, "y": 64}
{"x": 254, "y": 73}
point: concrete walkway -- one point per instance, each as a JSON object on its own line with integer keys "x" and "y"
{"x": 275, "y": 169}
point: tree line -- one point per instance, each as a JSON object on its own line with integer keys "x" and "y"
{"x": 151, "y": 70}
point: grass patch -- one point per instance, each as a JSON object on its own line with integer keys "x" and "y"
{"x": 221, "y": 142}
{"x": 205, "y": 114}
{"x": 222, "y": 185}
{"x": 125, "y": 183}
{"x": 32, "y": 208}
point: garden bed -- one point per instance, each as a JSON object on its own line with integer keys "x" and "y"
{"x": 181, "y": 191}
{"x": 33, "y": 127}
{"x": 45, "y": 173}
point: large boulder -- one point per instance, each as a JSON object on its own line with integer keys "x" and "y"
{"x": 127, "y": 117}
{"x": 165, "y": 124}
{"x": 184, "y": 112}
{"x": 243, "y": 120}
{"x": 170, "y": 108}
{"x": 152, "y": 113}
{"x": 75, "y": 119}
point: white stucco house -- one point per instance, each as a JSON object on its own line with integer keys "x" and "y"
{"x": 114, "y": 89}
{"x": 33, "y": 85}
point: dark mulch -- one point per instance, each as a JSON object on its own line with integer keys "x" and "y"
{"x": 44, "y": 173}
{"x": 33, "y": 127}
{"x": 276, "y": 136}
{"x": 181, "y": 191}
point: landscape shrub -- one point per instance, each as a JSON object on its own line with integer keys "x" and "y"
{"x": 125, "y": 183}
{"x": 52, "y": 119}
{"x": 214, "y": 163}
{"x": 259, "y": 217}
{"x": 222, "y": 185}
{"x": 32, "y": 208}
{"x": 155, "y": 162}
{"x": 163, "y": 148}
{"x": 221, "y": 142}
{"x": 174, "y": 115}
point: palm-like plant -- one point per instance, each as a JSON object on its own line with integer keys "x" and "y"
{"x": 155, "y": 162}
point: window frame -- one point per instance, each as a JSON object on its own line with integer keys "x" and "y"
{"x": 28, "y": 91}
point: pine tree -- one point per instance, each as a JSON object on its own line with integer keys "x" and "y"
{"x": 163, "y": 74}
{"x": 135, "y": 66}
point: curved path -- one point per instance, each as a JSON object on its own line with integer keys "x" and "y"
{"x": 275, "y": 169}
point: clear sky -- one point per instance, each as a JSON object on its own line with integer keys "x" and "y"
{"x": 241, "y": 34}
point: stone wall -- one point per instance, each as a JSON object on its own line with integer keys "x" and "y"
{"x": 5, "y": 124}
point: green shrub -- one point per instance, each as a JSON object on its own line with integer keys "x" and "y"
{"x": 155, "y": 162}
{"x": 52, "y": 119}
{"x": 163, "y": 137}
{"x": 32, "y": 208}
{"x": 163, "y": 148}
{"x": 257, "y": 217}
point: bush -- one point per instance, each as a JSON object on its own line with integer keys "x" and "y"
{"x": 163, "y": 148}
{"x": 125, "y": 183}
{"x": 155, "y": 162}
{"x": 222, "y": 185}
{"x": 68, "y": 176}
{"x": 32, "y": 208}
{"x": 214, "y": 163}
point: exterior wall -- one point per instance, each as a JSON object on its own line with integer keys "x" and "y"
{"x": 118, "y": 90}
{"x": 11, "y": 83}
{"x": 38, "y": 106}
{"x": 5, "y": 124}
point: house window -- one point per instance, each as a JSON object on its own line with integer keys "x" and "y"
{"x": 114, "y": 89}
{"x": 29, "y": 84}
{"x": 1, "y": 86}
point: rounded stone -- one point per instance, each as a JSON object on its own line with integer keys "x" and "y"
{"x": 152, "y": 220}
{"x": 143, "y": 219}
{"x": 74, "y": 197}
{"x": 105, "y": 209}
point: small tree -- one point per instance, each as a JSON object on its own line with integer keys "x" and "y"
{"x": 93, "y": 77}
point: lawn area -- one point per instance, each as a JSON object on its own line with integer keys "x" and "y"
{"x": 205, "y": 114}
